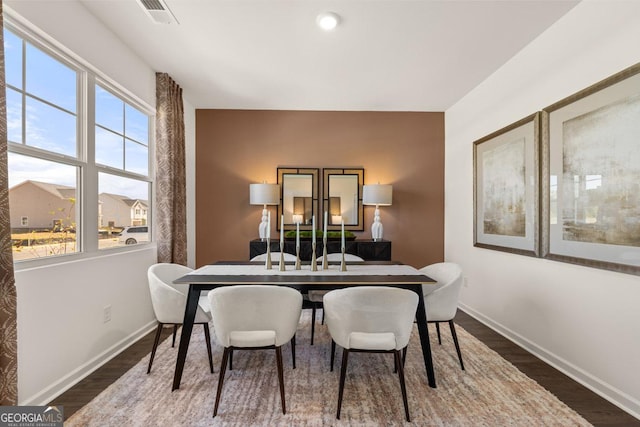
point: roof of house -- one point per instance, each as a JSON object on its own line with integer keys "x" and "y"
{"x": 66, "y": 192}
{"x": 60, "y": 191}
{"x": 124, "y": 199}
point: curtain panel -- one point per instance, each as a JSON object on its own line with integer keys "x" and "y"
{"x": 171, "y": 199}
{"x": 8, "y": 324}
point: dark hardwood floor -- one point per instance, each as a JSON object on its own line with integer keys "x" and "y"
{"x": 83, "y": 392}
{"x": 592, "y": 407}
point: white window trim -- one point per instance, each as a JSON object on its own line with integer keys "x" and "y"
{"x": 87, "y": 185}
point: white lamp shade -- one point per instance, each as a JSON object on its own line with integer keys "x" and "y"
{"x": 377, "y": 194}
{"x": 264, "y": 194}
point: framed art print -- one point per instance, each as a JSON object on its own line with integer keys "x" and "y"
{"x": 506, "y": 188}
{"x": 591, "y": 170}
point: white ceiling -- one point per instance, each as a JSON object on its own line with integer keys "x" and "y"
{"x": 386, "y": 55}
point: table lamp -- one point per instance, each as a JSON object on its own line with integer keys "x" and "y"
{"x": 264, "y": 194}
{"x": 378, "y": 195}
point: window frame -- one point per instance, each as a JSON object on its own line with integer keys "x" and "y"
{"x": 87, "y": 171}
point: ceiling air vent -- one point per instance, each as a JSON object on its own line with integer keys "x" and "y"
{"x": 158, "y": 11}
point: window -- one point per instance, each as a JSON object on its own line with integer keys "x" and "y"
{"x": 122, "y": 134}
{"x": 51, "y": 129}
{"x": 122, "y": 158}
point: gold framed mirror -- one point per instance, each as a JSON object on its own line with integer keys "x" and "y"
{"x": 299, "y": 199}
{"x": 342, "y": 198}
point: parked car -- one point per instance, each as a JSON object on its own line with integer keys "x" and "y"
{"x": 133, "y": 235}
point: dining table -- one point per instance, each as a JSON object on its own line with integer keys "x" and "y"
{"x": 367, "y": 273}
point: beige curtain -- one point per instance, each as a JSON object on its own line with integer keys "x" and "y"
{"x": 171, "y": 200}
{"x": 8, "y": 334}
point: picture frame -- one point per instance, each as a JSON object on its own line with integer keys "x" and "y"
{"x": 506, "y": 193}
{"x": 299, "y": 197}
{"x": 342, "y": 198}
{"x": 591, "y": 175}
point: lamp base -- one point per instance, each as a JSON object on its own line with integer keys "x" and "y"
{"x": 376, "y": 228}
{"x": 264, "y": 224}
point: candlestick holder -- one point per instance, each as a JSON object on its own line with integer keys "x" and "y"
{"x": 314, "y": 262}
{"x": 343, "y": 264}
{"x": 325, "y": 260}
{"x": 298, "y": 258}
{"x": 282, "y": 266}
{"x": 267, "y": 262}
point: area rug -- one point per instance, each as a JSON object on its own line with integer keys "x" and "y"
{"x": 491, "y": 392}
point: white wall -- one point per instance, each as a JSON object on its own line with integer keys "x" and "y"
{"x": 61, "y": 333}
{"x": 584, "y": 321}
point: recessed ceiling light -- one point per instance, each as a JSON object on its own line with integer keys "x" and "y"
{"x": 328, "y": 20}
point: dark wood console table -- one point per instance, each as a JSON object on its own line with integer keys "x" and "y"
{"x": 366, "y": 249}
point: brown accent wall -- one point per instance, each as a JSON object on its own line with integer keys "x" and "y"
{"x": 235, "y": 148}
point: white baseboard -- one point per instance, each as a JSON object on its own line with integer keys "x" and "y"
{"x": 65, "y": 383}
{"x": 620, "y": 399}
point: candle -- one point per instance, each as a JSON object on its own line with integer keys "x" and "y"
{"x": 269, "y": 225}
{"x": 324, "y": 231}
{"x": 343, "y": 235}
{"x": 313, "y": 228}
{"x": 297, "y": 235}
{"x": 282, "y": 233}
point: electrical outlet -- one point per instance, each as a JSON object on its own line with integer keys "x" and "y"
{"x": 106, "y": 314}
{"x": 465, "y": 282}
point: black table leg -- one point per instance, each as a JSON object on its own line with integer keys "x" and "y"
{"x": 421, "y": 317}
{"x": 185, "y": 335}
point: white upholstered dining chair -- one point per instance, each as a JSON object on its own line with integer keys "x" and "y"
{"x": 254, "y": 317}
{"x": 375, "y": 319}
{"x": 275, "y": 257}
{"x": 169, "y": 301}
{"x": 441, "y": 300}
{"x": 315, "y": 296}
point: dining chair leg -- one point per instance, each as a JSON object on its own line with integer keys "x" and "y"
{"x": 313, "y": 320}
{"x": 343, "y": 374}
{"x": 322, "y": 316}
{"x": 333, "y": 352}
{"x": 404, "y": 358}
{"x": 438, "y": 330}
{"x": 175, "y": 332}
{"x": 231, "y": 360}
{"x": 455, "y": 341}
{"x": 280, "y": 377}
{"x": 223, "y": 368}
{"x": 403, "y": 387}
{"x": 207, "y": 337}
{"x": 293, "y": 350}
{"x": 155, "y": 346}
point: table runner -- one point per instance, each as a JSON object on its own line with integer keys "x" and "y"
{"x": 334, "y": 270}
